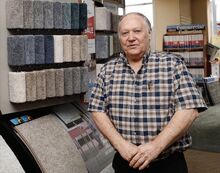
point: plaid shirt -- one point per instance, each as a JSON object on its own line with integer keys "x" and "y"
{"x": 141, "y": 104}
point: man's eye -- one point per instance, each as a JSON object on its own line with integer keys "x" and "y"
{"x": 137, "y": 31}
{"x": 124, "y": 33}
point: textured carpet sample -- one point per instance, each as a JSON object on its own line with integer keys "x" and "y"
{"x": 16, "y": 54}
{"x": 50, "y": 83}
{"x": 67, "y": 48}
{"x": 28, "y": 14}
{"x": 59, "y": 82}
{"x": 58, "y": 48}
{"x": 111, "y": 46}
{"x": 17, "y": 87}
{"x": 48, "y": 14}
{"x": 74, "y": 15}
{"x": 76, "y": 50}
{"x": 14, "y": 14}
{"x": 114, "y": 22}
{"x": 82, "y": 16}
{"x": 84, "y": 48}
{"x": 214, "y": 91}
{"x": 31, "y": 86}
{"x": 29, "y": 49}
{"x": 39, "y": 49}
{"x": 51, "y": 145}
{"x": 41, "y": 85}
{"x": 57, "y": 15}
{"x": 38, "y": 14}
{"x": 68, "y": 81}
{"x": 66, "y": 13}
{"x": 76, "y": 80}
{"x": 102, "y": 41}
{"x": 8, "y": 161}
{"x": 49, "y": 49}
{"x": 102, "y": 18}
{"x": 84, "y": 79}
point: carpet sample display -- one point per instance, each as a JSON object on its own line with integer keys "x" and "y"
{"x": 74, "y": 15}
{"x": 8, "y": 161}
{"x": 16, "y": 54}
{"x": 68, "y": 81}
{"x": 84, "y": 79}
{"x": 58, "y": 48}
{"x": 111, "y": 47}
{"x": 102, "y": 41}
{"x": 59, "y": 82}
{"x": 51, "y": 145}
{"x": 76, "y": 80}
{"x": 28, "y": 14}
{"x": 14, "y": 14}
{"x": 76, "y": 50}
{"x": 67, "y": 48}
{"x": 39, "y": 49}
{"x": 114, "y": 22}
{"x": 102, "y": 18}
{"x": 57, "y": 15}
{"x": 41, "y": 93}
{"x": 66, "y": 13}
{"x": 49, "y": 49}
{"x": 48, "y": 14}
{"x": 82, "y": 16}
{"x": 17, "y": 87}
{"x": 84, "y": 48}
{"x": 38, "y": 14}
{"x": 50, "y": 83}
{"x": 29, "y": 49}
{"x": 116, "y": 44}
{"x": 31, "y": 86}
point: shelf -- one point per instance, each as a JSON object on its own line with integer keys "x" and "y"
{"x": 183, "y": 49}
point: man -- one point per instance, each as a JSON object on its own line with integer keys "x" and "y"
{"x": 144, "y": 102}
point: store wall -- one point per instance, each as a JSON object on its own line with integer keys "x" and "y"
{"x": 185, "y": 12}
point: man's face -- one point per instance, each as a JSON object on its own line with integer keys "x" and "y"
{"x": 134, "y": 36}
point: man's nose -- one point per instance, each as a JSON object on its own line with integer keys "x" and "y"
{"x": 131, "y": 36}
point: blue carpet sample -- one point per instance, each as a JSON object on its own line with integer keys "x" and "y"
{"x": 66, "y": 12}
{"x": 76, "y": 80}
{"x": 28, "y": 14}
{"x": 74, "y": 16}
{"x": 39, "y": 49}
{"x": 57, "y": 15}
{"x": 84, "y": 79}
{"x": 82, "y": 16}
{"x": 48, "y": 14}
{"x": 38, "y": 14}
{"x": 49, "y": 49}
{"x": 102, "y": 41}
{"x": 68, "y": 81}
{"x": 29, "y": 49}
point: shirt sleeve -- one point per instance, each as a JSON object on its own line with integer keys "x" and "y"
{"x": 186, "y": 94}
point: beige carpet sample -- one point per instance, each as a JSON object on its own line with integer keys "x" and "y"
{"x": 59, "y": 82}
{"x": 67, "y": 48}
{"x": 41, "y": 85}
{"x": 84, "y": 48}
{"x": 58, "y": 48}
{"x": 51, "y": 145}
{"x": 50, "y": 83}
{"x": 31, "y": 87}
{"x": 68, "y": 81}
{"x": 102, "y": 18}
{"x": 76, "y": 41}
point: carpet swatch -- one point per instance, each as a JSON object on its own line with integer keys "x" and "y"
{"x": 39, "y": 49}
{"x": 66, "y": 13}
{"x": 28, "y": 14}
{"x": 82, "y": 16}
{"x": 84, "y": 79}
{"x": 68, "y": 81}
{"x": 102, "y": 41}
{"x": 29, "y": 49}
{"x": 48, "y": 14}
{"x": 102, "y": 18}
{"x": 59, "y": 82}
{"x": 111, "y": 47}
{"x": 31, "y": 86}
{"x": 14, "y": 14}
{"x": 74, "y": 15}
{"x": 114, "y": 22}
{"x": 41, "y": 85}
{"x": 57, "y": 15}
{"x": 8, "y": 161}
{"x": 76, "y": 50}
{"x": 38, "y": 14}
{"x": 58, "y": 48}
{"x": 67, "y": 48}
{"x": 76, "y": 80}
{"x": 51, "y": 145}
{"x": 17, "y": 87}
{"x": 49, "y": 49}
{"x": 84, "y": 48}
{"x": 50, "y": 83}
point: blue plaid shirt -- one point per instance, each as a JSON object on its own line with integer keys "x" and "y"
{"x": 141, "y": 104}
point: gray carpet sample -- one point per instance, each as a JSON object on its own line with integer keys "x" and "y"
{"x": 114, "y": 20}
{"x": 84, "y": 79}
{"x": 57, "y": 15}
{"x": 29, "y": 49}
{"x": 66, "y": 12}
{"x": 39, "y": 49}
{"x": 214, "y": 90}
{"x": 102, "y": 18}
{"x": 48, "y": 14}
{"x": 59, "y": 82}
{"x": 31, "y": 86}
{"x": 16, "y": 54}
{"x": 17, "y": 87}
{"x": 49, "y": 49}
{"x": 38, "y": 14}
{"x": 58, "y": 48}
{"x": 102, "y": 41}
{"x": 50, "y": 83}
{"x": 51, "y": 145}
{"x": 111, "y": 46}
{"x": 76, "y": 47}
{"x": 74, "y": 15}
{"x": 8, "y": 161}
{"x": 82, "y": 16}
{"x": 14, "y": 14}
{"x": 67, "y": 48}
{"x": 68, "y": 81}
{"x": 28, "y": 14}
{"x": 84, "y": 48}
{"x": 41, "y": 85}
{"x": 76, "y": 80}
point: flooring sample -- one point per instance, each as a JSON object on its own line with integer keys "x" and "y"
{"x": 14, "y": 14}
{"x": 50, "y": 83}
{"x": 84, "y": 48}
{"x": 214, "y": 91}
{"x": 49, "y": 49}
{"x": 17, "y": 87}
{"x": 76, "y": 50}
{"x": 114, "y": 22}
{"x": 74, "y": 15}
{"x": 51, "y": 145}
{"x": 102, "y": 18}
{"x": 68, "y": 81}
{"x": 28, "y": 14}
{"x": 82, "y": 16}
{"x": 58, "y": 48}
{"x": 29, "y": 50}
{"x": 102, "y": 41}
{"x": 31, "y": 86}
{"x": 38, "y": 14}
{"x": 8, "y": 161}
{"x": 59, "y": 82}
{"x": 66, "y": 14}
{"x": 57, "y": 15}
{"x": 41, "y": 85}
{"x": 16, "y": 54}
{"x": 39, "y": 49}
{"x": 48, "y": 14}
{"x": 76, "y": 80}
{"x": 111, "y": 46}
{"x": 67, "y": 48}
{"x": 84, "y": 79}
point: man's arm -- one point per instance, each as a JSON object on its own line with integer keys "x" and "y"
{"x": 126, "y": 149}
{"x": 175, "y": 129}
